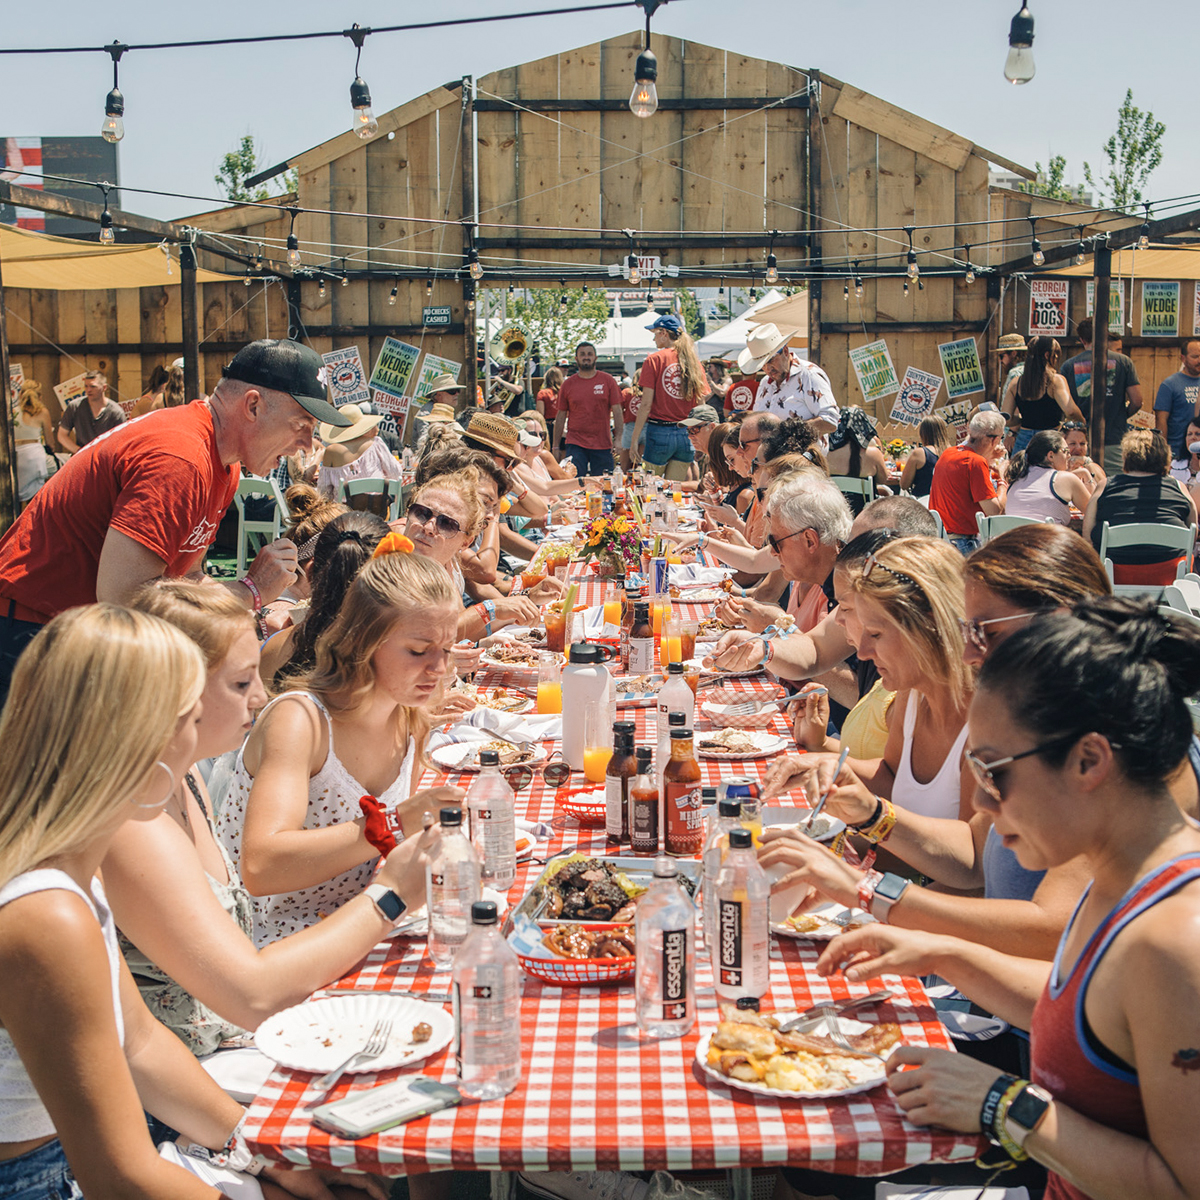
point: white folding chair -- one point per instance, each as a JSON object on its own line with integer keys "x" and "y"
{"x": 386, "y": 493}
{"x": 255, "y": 534}
{"x": 858, "y": 492}
{"x": 1137, "y": 591}
{"x": 941, "y": 525}
{"x": 1171, "y": 538}
{"x": 990, "y": 527}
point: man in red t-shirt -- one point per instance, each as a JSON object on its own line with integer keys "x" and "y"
{"x": 962, "y": 481}
{"x": 589, "y": 405}
{"x": 144, "y": 500}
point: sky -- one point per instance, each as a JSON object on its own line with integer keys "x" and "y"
{"x": 942, "y": 60}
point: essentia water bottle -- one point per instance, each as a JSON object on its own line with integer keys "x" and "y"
{"x": 451, "y": 887}
{"x": 493, "y": 823}
{"x": 665, "y": 941}
{"x": 742, "y": 937}
{"x": 487, "y": 1009}
{"x": 729, "y": 817}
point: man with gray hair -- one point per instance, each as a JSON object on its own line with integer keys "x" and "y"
{"x": 962, "y": 481}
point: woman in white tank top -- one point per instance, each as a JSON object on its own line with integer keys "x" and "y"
{"x": 292, "y": 821}
{"x": 1039, "y": 484}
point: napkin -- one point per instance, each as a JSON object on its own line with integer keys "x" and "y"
{"x": 481, "y": 724}
{"x": 693, "y": 574}
{"x": 241, "y": 1073}
{"x": 526, "y": 938}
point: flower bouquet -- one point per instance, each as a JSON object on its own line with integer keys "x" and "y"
{"x": 896, "y": 447}
{"x": 613, "y": 543}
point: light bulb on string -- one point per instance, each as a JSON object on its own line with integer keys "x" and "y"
{"x": 920, "y": 285}
{"x": 912, "y": 270}
{"x": 393, "y": 294}
{"x": 753, "y": 295}
{"x": 846, "y": 290}
{"x": 428, "y": 288}
{"x": 649, "y": 301}
{"x": 585, "y": 291}
{"x": 293, "y": 245}
{"x": 643, "y": 100}
{"x": 772, "y": 275}
{"x": 1080, "y": 254}
{"x": 969, "y": 277}
{"x": 345, "y": 281}
{"x": 906, "y": 289}
{"x": 562, "y": 299}
{"x": 1143, "y": 242}
{"x": 858, "y": 287}
{"x": 1019, "y": 66}
{"x": 363, "y": 120}
{"x": 107, "y": 235}
{"x": 321, "y": 288}
{"x": 635, "y": 274}
{"x": 1039, "y": 259}
{"x": 258, "y": 259}
{"x": 474, "y": 267}
{"x": 113, "y": 127}
{"x": 246, "y": 279}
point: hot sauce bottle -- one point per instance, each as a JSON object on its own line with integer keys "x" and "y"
{"x": 643, "y": 805}
{"x": 619, "y": 776}
{"x": 681, "y": 796}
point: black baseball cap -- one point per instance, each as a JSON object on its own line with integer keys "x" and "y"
{"x": 288, "y": 366}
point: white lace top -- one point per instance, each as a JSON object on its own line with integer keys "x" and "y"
{"x": 333, "y": 796}
{"x": 375, "y": 462}
{"x": 23, "y": 1116}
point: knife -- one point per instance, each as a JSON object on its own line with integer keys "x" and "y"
{"x": 432, "y": 997}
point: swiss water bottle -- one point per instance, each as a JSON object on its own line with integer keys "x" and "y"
{"x": 487, "y": 1009}
{"x": 728, "y": 818}
{"x": 451, "y": 887}
{"x": 742, "y": 937}
{"x": 493, "y": 823}
{"x": 665, "y": 940}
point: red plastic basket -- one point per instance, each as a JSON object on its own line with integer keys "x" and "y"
{"x": 577, "y": 972}
{"x": 585, "y": 809}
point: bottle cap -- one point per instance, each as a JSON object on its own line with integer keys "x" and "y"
{"x": 675, "y": 668}
{"x": 729, "y": 808}
{"x": 680, "y": 735}
{"x": 483, "y": 912}
{"x": 641, "y": 610}
{"x": 665, "y": 868}
{"x": 588, "y": 653}
{"x": 624, "y": 727}
{"x": 747, "y": 1003}
{"x": 708, "y": 795}
{"x": 450, "y": 816}
{"x": 740, "y": 839}
{"x": 645, "y": 756}
{"x": 489, "y": 758}
{"x": 677, "y": 719}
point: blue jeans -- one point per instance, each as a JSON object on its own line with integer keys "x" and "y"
{"x": 42, "y": 1174}
{"x": 590, "y": 462}
{"x": 665, "y": 443}
{"x": 1022, "y": 439}
{"x": 964, "y": 545}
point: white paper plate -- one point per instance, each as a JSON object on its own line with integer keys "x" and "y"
{"x": 463, "y": 756}
{"x": 706, "y": 595}
{"x": 499, "y": 665}
{"x": 833, "y": 918}
{"x": 319, "y": 1034}
{"x": 766, "y": 743}
{"x": 868, "y": 1073}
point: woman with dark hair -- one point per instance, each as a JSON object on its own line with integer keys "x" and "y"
{"x": 152, "y": 397}
{"x": 854, "y": 452}
{"x": 1143, "y": 493}
{"x": 1069, "y": 768}
{"x": 1038, "y": 398}
{"x": 1185, "y": 466}
{"x": 934, "y": 435}
{"x": 1078, "y": 458}
{"x": 722, "y": 446}
{"x": 793, "y": 436}
{"x": 546, "y": 403}
{"x": 1039, "y": 484}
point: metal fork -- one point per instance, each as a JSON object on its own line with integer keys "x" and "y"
{"x": 829, "y": 1015}
{"x": 748, "y": 708}
{"x": 376, "y": 1044}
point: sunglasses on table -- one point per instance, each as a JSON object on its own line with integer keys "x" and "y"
{"x": 973, "y": 631}
{"x": 519, "y": 777}
{"x": 984, "y": 772}
{"x": 446, "y": 526}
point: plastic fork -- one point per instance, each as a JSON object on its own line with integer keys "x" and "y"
{"x": 376, "y": 1044}
{"x": 748, "y": 708}
{"x": 829, "y": 1015}
{"x": 814, "y": 1015}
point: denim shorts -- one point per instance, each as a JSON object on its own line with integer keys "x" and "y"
{"x": 667, "y": 443}
{"x": 42, "y": 1174}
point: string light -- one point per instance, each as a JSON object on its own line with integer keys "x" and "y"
{"x": 1018, "y": 66}
{"x": 474, "y": 266}
{"x": 635, "y": 274}
{"x": 585, "y": 291}
{"x": 858, "y": 283}
{"x": 321, "y": 288}
{"x": 913, "y": 269}
{"x": 562, "y": 300}
{"x": 1143, "y": 242}
{"x": 846, "y": 290}
{"x": 293, "y": 246}
{"x": 258, "y": 260}
{"x": 107, "y": 236}
{"x": 248, "y": 275}
{"x": 643, "y": 100}
{"x": 649, "y": 301}
{"x": 363, "y": 120}
{"x": 393, "y": 294}
{"x": 969, "y": 277}
{"x": 920, "y": 285}
{"x": 428, "y": 288}
{"x": 772, "y": 275}
{"x": 1080, "y": 249}
{"x": 113, "y": 129}
{"x": 906, "y": 289}
{"x": 1039, "y": 259}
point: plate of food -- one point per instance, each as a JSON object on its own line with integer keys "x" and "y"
{"x": 503, "y": 700}
{"x": 711, "y": 627}
{"x": 510, "y": 656}
{"x": 822, "y": 922}
{"x": 717, "y": 673}
{"x": 638, "y": 691}
{"x": 464, "y": 756}
{"x": 739, "y": 743}
{"x": 747, "y": 1051}
{"x": 704, "y": 595}
{"x": 319, "y": 1034}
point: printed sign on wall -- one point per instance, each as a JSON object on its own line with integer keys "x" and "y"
{"x": 347, "y": 378}
{"x": 1116, "y": 304}
{"x": 917, "y": 396}
{"x": 394, "y": 367}
{"x": 873, "y": 366}
{"x": 1160, "y": 308}
{"x": 1048, "y": 307}
{"x": 960, "y": 363}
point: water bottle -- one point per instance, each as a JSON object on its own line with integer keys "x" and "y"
{"x": 742, "y": 936}
{"x": 493, "y": 824}
{"x": 728, "y": 818}
{"x": 675, "y": 696}
{"x": 487, "y": 1009}
{"x": 664, "y": 935}
{"x": 451, "y": 887}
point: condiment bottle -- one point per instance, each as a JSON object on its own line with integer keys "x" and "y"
{"x": 619, "y": 775}
{"x": 740, "y": 943}
{"x": 643, "y": 805}
{"x": 641, "y": 642}
{"x": 681, "y": 795}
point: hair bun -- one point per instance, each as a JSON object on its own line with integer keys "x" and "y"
{"x": 301, "y": 499}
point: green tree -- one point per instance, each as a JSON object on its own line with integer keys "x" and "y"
{"x": 559, "y": 321}
{"x": 689, "y": 310}
{"x": 1050, "y": 183}
{"x": 1133, "y": 153}
{"x": 241, "y": 164}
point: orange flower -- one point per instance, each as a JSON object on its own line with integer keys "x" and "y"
{"x": 393, "y": 543}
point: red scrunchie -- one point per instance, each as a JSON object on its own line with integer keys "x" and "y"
{"x": 382, "y": 825}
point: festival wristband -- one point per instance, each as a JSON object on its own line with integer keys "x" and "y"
{"x": 1001, "y": 1136}
{"x": 881, "y": 826}
{"x": 255, "y": 594}
{"x": 859, "y": 826}
{"x": 487, "y": 609}
{"x": 866, "y": 889}
{"x": 987, "y": 1113}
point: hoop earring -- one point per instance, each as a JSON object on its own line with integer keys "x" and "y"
{"x": 170, "y": 789}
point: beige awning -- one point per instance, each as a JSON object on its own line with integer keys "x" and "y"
{"x": 1146, "y": 264}
{"x": 38, "y": 260}
{"x": 789, "y": 313}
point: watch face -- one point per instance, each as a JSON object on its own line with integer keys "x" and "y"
{"x": 890, "y": 887}
{"x": 1026, "y": 1110}
{"x": 390, "y": 905}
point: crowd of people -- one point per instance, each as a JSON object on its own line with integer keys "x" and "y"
{"x": 1009, "y": 745}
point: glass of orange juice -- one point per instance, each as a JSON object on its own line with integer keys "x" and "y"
{"x": 612, "y": 604}
{"x": 677, "y": 496}
{"x": 549, "y": 688}
{"x": 597, "y": 744}
{"x": 672, "y": 641}
{"x": 691, "y": 676}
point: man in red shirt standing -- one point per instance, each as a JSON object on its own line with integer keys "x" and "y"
{"x": 962, "y": 481}
{"x": 144, "y": 500}
{"x": 591, "y": 400}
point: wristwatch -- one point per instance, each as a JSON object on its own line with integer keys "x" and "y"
{"x": 388, "y": 903}
{"x": 887, "y": 891}
{"x": 1026, "y": 1112}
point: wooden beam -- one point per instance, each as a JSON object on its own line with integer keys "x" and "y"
{"x": 648, "y": 244}
{"x": 189, "y": 300}
{"x": 695, "y": 104}
{"x": 992, "y": 157}
{"x": 883, "y": 328}
{"x": 903, "y": 128}
{"x": 470, "y": 333}
{"x": 8, "y": 445}
{"x": 1102, "y": 265}
{"x": 815, "y": 327}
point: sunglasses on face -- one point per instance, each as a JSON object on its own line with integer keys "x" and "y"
{"x": 446, "y": 526}
{"x": 973, "y": 631}
{"x": 775, "y": 542}
{"x": 556, "y": 774}
{"x": 985, "y": 772}
{"x": 761, "y": 492}
{"x": 748, "y": 443}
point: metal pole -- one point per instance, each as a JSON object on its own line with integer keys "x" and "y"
{"x": 189, "y": 303}
{"x": 1102, "y": 275}
{"x": 468, "y": 207}
{"x": 8, "y": 448}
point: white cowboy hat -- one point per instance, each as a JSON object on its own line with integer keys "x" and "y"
{"x": 360, "y": 423}
{"x": 764, "y": 340}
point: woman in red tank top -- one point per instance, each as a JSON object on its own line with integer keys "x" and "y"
{"x": 1075, "y": 730}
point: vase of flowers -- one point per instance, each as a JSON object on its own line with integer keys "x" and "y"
{"x": 613, "y": 544}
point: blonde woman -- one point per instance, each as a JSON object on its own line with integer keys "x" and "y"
{"x": 673, "y": 382}
{"x": 186, "y": 921}
{"x": 355, "y": 726}
{"x": 82, "y": 1056}
{"x": 33, "y": 431}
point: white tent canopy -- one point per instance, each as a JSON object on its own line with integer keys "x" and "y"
{"x": 730, "y": 339}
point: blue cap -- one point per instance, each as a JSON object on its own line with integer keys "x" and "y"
{"x": 669, "y": 323}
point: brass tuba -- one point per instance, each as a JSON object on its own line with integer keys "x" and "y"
{"x": 511, "y": 344}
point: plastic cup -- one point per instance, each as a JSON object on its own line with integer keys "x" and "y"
{"x": 556, "y": 629}
{"x": 549, "y": 688}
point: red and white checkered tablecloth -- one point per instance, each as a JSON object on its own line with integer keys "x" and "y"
{"x": 593, "y": 1095}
